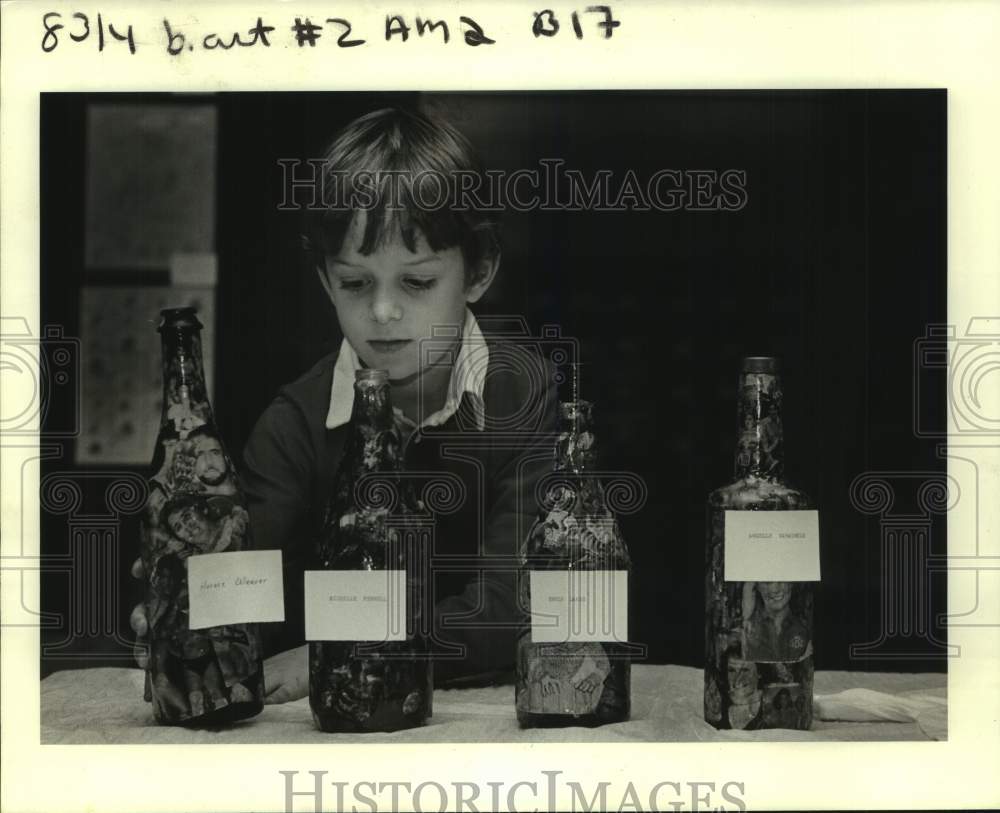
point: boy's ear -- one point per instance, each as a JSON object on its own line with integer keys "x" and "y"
{"x": 487, "y": 270}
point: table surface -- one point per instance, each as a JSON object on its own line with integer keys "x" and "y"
{"x": 105, "y": 705}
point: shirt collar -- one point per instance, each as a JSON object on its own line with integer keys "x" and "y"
{"x": 468, "y": 377}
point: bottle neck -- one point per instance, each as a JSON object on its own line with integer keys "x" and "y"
{"x": 576, "y": 449}
{"x": 372, "y": 406}
{"x": 185, "y": 394}
{"x": 375, "y": 443}
{"x": 760, "y": 450}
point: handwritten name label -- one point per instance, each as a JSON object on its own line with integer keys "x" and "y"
{"x": 355, "y": 605}
{"x": 772, "y": 546}
{"x": 239, "y": 587}
{"x": 239, "y": 581}
{"x": 579, "y": 605}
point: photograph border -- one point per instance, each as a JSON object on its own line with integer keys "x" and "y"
{"x": 733, "y": 46}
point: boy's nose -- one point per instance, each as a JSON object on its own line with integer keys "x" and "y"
{"x": 385, "y": 310}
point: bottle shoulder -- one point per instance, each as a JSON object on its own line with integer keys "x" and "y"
{"x": 759, "y": 494}
{"x": 573, "y": 536}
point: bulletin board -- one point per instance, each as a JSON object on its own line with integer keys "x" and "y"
{"x": 150, "y": 184}
{"x": 149, "y": 244}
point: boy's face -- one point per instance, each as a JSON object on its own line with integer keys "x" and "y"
{"x": 389, "y": 300}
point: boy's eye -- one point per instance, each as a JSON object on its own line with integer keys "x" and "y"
{"x": 420, "y": 284}
{"x": 351, "y": 284}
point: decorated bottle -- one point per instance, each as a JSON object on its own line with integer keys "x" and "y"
{"x": 195, "y": 507}
{"x": 577, "y": 672}
{"x": 759, "y": 634}
{"x": 385, "y": 684}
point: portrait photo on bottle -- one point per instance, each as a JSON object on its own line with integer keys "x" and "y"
{"x": 496, "y": 416}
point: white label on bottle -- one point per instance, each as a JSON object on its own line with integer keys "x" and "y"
{"x": 238, "y": 587}
{"x": 355, "y": 605}
{"x": 579, "y": 605}
{"x": 772, "y": 546}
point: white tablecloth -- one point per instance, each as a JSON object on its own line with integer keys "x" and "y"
{"x": 105, "y": 706}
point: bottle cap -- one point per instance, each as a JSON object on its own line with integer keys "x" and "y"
{"x": 179, "y": 318}
{"x": 760, "y": 364}
{"x": 368, "y": 374}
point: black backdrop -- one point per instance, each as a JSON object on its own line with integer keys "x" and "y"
{"x": 836, "y": 264}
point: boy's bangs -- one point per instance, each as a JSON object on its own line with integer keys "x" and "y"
{"x": 410, "y": 175}
{"x": 395, "y": 208}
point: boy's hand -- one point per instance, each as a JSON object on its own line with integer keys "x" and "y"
{"x": 286, "y": 675}
{"x": 139, "y": 623}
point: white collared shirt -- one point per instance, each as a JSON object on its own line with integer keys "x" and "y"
{"x": 468, "y": 376}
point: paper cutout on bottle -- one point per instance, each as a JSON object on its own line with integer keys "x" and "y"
{"x": 579, "y": 605}
{"x": 772, "y": 546}
{"x": 355, "y": 605}
{"x": 239, "y": 587}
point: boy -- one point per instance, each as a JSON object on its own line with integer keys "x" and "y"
{"x": 477, "y": 411}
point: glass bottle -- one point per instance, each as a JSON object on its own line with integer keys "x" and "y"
{"x": 371, "y": 686}
{"x": 195, "y": 506}
{"x": 758, "y": 635}
{"x": 573, "y": 681}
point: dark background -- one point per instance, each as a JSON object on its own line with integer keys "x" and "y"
{"x": 836, "y": 264}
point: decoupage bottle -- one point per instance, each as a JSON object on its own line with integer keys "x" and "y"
{"x": 384, "y": 684}
{"x": 573, "y": 663}
{"x": 195, "y": 506}
{"x": 759, "y": 633}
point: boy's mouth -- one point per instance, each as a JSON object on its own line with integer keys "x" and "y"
{"x": 393, "y": 346}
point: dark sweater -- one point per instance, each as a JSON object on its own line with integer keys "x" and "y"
{"x": 291, "y": 458}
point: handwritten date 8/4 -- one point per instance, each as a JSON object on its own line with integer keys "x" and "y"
{"x": 79, "y": 29}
